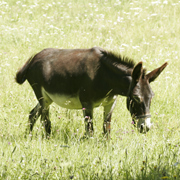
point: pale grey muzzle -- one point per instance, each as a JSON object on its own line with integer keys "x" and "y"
{"x": 144, "y": 125}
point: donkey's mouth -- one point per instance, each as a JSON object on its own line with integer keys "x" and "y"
{"x": 144, "y": 125}
{"x": 144, "y": 129}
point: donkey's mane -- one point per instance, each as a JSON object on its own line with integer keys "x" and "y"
{"x": 118, "y": 61}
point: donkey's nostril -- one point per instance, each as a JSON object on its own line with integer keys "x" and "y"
{"x": 141, "y": 128}
{"x": 147, "y": 129}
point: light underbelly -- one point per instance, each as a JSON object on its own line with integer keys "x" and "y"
{"x": 66, "y": 101}
{"x": 73, "y": 102}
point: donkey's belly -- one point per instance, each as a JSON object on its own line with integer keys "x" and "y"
{"x": 73, "y": 102}
{"x": 66, "y": 101}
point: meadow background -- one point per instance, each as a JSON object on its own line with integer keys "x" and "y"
{"x": 145, "y": 30}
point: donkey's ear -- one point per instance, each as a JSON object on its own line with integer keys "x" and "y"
{"x": 155, "y": 73}
{"x": 137, "y": 71}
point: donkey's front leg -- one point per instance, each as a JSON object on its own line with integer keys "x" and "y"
{"x": 88, "y": 117}
{"x": 107, "y": 118}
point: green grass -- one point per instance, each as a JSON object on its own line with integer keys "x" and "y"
{"x": 146, "y": 31}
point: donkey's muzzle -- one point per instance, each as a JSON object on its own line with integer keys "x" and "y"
{"x": 144, "y": 124}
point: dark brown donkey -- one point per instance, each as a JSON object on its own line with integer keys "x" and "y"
{"x": 85, "y": 79}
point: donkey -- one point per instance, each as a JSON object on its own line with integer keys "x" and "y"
{"x": 85, "y": 79}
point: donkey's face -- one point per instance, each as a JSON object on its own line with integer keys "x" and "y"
{"x": 140, "y": 96}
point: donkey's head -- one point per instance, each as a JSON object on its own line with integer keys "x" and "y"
{"x": 140, "y": 95}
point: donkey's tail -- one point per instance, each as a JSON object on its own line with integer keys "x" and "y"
{"x": 21, "y": 74}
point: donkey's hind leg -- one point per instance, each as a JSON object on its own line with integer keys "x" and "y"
{"x": 46, "y": 121}
{"x": 33, "y": 116}
{"x": 45, "y": 102}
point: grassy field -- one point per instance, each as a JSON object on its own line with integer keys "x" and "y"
{"x": 145, "y": 30}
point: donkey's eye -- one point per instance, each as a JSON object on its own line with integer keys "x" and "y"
{"x": 137, "y": 98}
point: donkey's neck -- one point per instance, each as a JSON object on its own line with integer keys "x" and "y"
{"x": 123, "y": 86}
{"x": 120, "y": 79}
